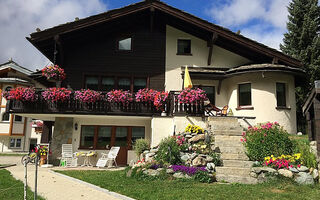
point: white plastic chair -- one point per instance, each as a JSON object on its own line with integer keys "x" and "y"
{"x": 111, "y": 156}
{"x": 68, "y": 157}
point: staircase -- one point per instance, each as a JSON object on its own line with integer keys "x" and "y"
{"x": 236, "y": 165}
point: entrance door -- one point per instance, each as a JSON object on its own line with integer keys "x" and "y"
{"x": 121, "y": 140}
{"x": 33, "y": 144}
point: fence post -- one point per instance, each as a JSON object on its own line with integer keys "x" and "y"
{"x": 25, "y": 180}
{"x": 36, "y": 179}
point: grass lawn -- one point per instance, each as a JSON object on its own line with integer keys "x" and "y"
{"x": 12, "y": 189}
{"x": 187, "y": 189}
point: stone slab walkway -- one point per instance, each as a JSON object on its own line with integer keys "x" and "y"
{"x": 54, "y": 186}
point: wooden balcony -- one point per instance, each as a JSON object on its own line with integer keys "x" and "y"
{"x": 103, "y": 107}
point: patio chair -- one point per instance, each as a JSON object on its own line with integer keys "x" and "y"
{"x": 68, "y": 159}
{"x": 111, "y": 156}
{"x": 210, "y": 108}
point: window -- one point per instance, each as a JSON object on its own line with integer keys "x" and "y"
{"x": 15, "y": 143}
{"x": 17, "y": 118}
{"x": 5, "y": 117}
{"x": 245, "y": 94}
{"x": 139, "y": 83}
{"x": 124, "y": 44}
{"x": 124, "y": 83}
{"x": 281, "y": 94}
{"x": 211, "y": 93}
{"x": 101, "y": 137}
{"x": 92, "y": 82}
{"x": 104, "y": 137}
{"x": 137, "y": 133}
{"x": 87, "y": 136}
{"x": 107, "y": 83}
{"x": 104, "y": 83}
{"x": 184, "y": 47}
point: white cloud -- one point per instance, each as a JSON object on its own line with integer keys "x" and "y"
{"x": 20, "y": 18}
{"x": 261, "y": 20}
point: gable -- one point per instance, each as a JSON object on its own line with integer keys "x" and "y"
{"x": 199, "y": 50}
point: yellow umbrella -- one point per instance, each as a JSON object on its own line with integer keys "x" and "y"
{"x": 187, "y": 80}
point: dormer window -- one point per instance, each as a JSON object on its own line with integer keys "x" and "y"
{"x": 184, "y": 47}
{"x": 124, "y": 44}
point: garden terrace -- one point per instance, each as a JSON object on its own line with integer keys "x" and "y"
{"x": 171, "y": 107}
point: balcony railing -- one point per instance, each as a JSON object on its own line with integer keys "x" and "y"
{"x": 171, "y": 107}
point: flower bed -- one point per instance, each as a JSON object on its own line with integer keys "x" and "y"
{"x": 56, "y": 94}
{"x": 187, "y": 170}
{"x": 21, "y": 94}
{"x": 87, "y": 96}
{"x": 54, "y": 72}
{"x": 191, "y": 96}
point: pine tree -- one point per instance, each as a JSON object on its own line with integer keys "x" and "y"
{"x": 302, "y": 41}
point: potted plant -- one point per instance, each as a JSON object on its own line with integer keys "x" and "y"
{"x": 87, "y": 97}
{"x": 43, "y": 152}
{"x": 54, "y": 73}
{"x": 159, "y": 101}
{"x": 145, "y": 98}
{"x": 119, "y": 98}
{"x": 56, "y": 96}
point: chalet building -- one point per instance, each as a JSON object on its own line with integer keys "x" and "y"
{"x": 148, "y": 45}
{"x": 16, "y": 132}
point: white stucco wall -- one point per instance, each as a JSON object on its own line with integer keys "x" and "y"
{"x": 199, "y": 57}
{"x": 264, "y": 102}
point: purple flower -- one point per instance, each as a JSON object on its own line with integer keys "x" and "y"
{"x": 187, "y": 170}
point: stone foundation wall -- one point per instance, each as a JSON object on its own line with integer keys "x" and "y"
{"x": 62, "y": 134}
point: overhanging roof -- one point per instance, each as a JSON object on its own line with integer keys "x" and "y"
{"x": 13, "y": 65}
{"x": 158, "y": 5}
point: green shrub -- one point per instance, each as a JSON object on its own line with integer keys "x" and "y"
{"x": 202, "y": 176}
{"x": 307, "y": 158}
{"x": 168, "y": 152}
{"x": 216, "y": 158}
{"x": 140, "y": 146}
{"x": 265, "y": 140}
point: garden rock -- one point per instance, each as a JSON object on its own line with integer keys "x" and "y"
{"x": 159, "y": 169}
{"x": 194, "y": 134}
{"x": 285, "y": 173}
{"x": 154, "y": 150}
{"x": 131, "y": 163}
{"x": 188, "y": 136}
{"x": 263, "y": 169}
{"x": 254, "y": 175}
{"x": 315, "y": 174}
{"x": 293, "y": 169}
{"x": 193, "y": 155}
{"x": 185, "y": 157}
{"x": 197, "y": 138}
{"x": 304, "y": 178}
{"x": 303, "y": 168}
{"x": 178, "y": 175}
{"x": 151, "y": 172}
{"x": 199, "y": 161}
{"x": 146, "y": 151}
{"x": 187, "y": 176}
{"x": 262, "y": 178}
{"x": 129, "y": 173}
{"x": 169, "y": 171}
{"x": 209, "y": 159}
{"x": 211, "y": 166}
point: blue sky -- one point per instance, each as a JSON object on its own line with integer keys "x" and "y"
{"x": 260, "y": 20}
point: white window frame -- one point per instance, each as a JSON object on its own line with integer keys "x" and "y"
{"x": 15, "y": 143}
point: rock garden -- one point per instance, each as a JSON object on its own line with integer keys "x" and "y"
{"x": 275, "y": 154}
{"x": 188, "y": 155}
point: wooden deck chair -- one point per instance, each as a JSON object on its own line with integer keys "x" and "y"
{"x": 210, "y": 109}
{"x": 111, "y": 156}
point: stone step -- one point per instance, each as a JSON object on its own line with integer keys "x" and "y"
{"x": 234, "y": 156}
{"x": 236, "y": 179}
{"x": 231, "y": 138}
{"x": 237, "y": 163}
{"x": 233, "y": 171}
{"x": 228, "y": 144}
{"x": 236, "y": 132}
{"x": 233, "y": 149}
{"x": 224, "y": 120}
